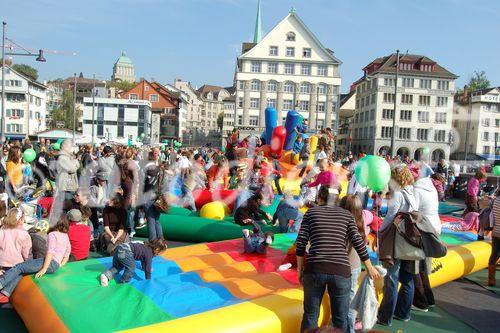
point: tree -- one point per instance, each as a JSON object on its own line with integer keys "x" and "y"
{"x": 478, "y": 81}
{"x": 220, "y": 121}
{"x": 26, "y": 70}
{"x": 64, "y": 112}
{"x": 8, "y": 62}
{"x": 122, "y": 85}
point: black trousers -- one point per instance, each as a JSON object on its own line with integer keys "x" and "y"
{"x": 423, "y": 297}
{"x": 495, "y": 251}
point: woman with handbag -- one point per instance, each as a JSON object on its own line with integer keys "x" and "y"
{"x": 396, "y": 304}
{"x": 427, "y": 200}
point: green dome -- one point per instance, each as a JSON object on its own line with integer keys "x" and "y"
{"x": 124, "y": 59}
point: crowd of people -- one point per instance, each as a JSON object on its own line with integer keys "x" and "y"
{"x": 95, "y": 198}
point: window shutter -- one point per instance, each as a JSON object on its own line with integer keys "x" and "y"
{"x": 8, "y": 113}
{"x": 20, "y": 128}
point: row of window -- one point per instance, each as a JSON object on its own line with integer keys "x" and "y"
{"x": 14, "y": 128}
{"x": 422, "y": 116}
{"x": 35, "y": 100}
{"x": 289, "y": 51}
{"x": 491, "y": 107}
{"x": 287, "y": 104}
{"x": 254, "y": 121}
{"x": 487, "y": 121}
{"x": 487, "y": 150}
{"x": 423, "y": 100}
{"x": 288, "y": 68}
{"x": 409, "y": 82}
{"x": 487, "y": 137}
{"x": 404, "y": 133}
{"x": 288, "y": 87}
{"x": 12, "y": 83}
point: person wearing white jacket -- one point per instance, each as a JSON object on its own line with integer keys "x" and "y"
{"x": 426, "y": 198}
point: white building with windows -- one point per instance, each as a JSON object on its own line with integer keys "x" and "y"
{"x": 116, "y": 118}
{"x": 288, "y": 69}
{"x": 477, "y": 122}
{"x": 424, "y": 108}
{"x": 25, "y": 105}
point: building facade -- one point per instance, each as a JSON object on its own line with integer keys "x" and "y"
{"x": 476, "y": 118}
{"x": 424, "y": 108}
{"x": 193, "y": 105}
{"x": 116, "y": 118}
{"x": 346, "y": 115}
{"x": 123, "y": 70}
{"x": 164, "y": 108}
{"x": 25, "y": 105}
{"x": 288, "y": 69}
{"x": 213, "y": 98}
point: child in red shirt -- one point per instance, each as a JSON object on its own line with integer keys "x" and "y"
{"x": 79, "y": 236}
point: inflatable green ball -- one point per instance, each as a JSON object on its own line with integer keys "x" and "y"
{"x": 426, "y": 150}
{"x": 496, "y": 170}
{"x": 143, "y": 135}
{"x": 373, "y": 172}
{"x": 56, "y": 146}
{"x": 29, "y": 155}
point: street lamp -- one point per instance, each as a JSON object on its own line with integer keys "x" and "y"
{"x": 393, "y": 134}
{"x": 39, "y": 57}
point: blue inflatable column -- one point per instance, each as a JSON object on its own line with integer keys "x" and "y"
{"x": 291, "y": 123}
{"x": 271, "y": 116}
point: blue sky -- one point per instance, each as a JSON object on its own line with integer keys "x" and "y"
{"x": 198, "y": 40}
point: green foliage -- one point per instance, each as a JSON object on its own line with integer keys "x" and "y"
{"x": 122, "y": 85}
{"x": 220, "y": 120}
{"x": 26, "y": 70}
{"x": 64, "y": 112}
{"x": 478, "y": 81}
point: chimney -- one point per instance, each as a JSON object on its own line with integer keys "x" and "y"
{"x": 141, "y": 79}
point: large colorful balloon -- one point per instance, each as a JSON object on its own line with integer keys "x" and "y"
{"x": 277, "y": 141}
{"x": 271, "y": 122}
{"x": 29, "y": 155}
{"x": 373, "y": 172}
{"x": 213, "y": 210}
{"x": 291, "y": 123}
{"x": 313, "y": 145}
{"x": 496, "y": 170}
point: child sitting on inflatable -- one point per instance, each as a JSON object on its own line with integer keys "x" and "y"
{"x": 287, "y": 214}
{"x": 125, "y": 256}
{"x": 256, "y": 241}
{"x": 249, "y": 211}
{"x": 58, "y": 250}
{"x": 297, "y": 147}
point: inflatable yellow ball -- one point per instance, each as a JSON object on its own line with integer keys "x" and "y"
{"x": 213, "y": 210}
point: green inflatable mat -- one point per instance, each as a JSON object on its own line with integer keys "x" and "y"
{"x": 180, "y": 224}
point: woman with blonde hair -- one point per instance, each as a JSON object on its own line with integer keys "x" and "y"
{"x": 15, "y": 242}
{"x": 14, "y": 167}
{"x": 396, "y": 304}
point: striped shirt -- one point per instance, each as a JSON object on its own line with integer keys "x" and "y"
{"x": 496, "y": 218}
{"x": 329, "y": 229}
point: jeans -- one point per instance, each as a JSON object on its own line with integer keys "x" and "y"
{"x": 495, "y": 251}
{"x": 277, "y": 184}
{"x": 187, "y": 198}
{"x": 153, "y": 221}
{"x": 11, "y": 278}
{"x": 123, "y": 258}
{"x": 394, "y": 303}
{"x": 130, "y": 219}
{"x": 287, "y": 214}
{"x": 338, "y": 290}
{"x": 354, "y": 283}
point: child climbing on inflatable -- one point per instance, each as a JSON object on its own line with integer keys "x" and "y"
{"x": 58, "y": 250}
{"x": 125, "y": 256}
{"x": 256, "y": 241}
{"x": 297, "y": 147}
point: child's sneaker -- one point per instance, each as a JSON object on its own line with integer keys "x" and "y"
{"x": 142, "y": 223}
{"x": 284, "y": 267}
{"x": 246, "y": 233}
{"x": 104, "y": 280}
{"x": 269, "y": 240}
